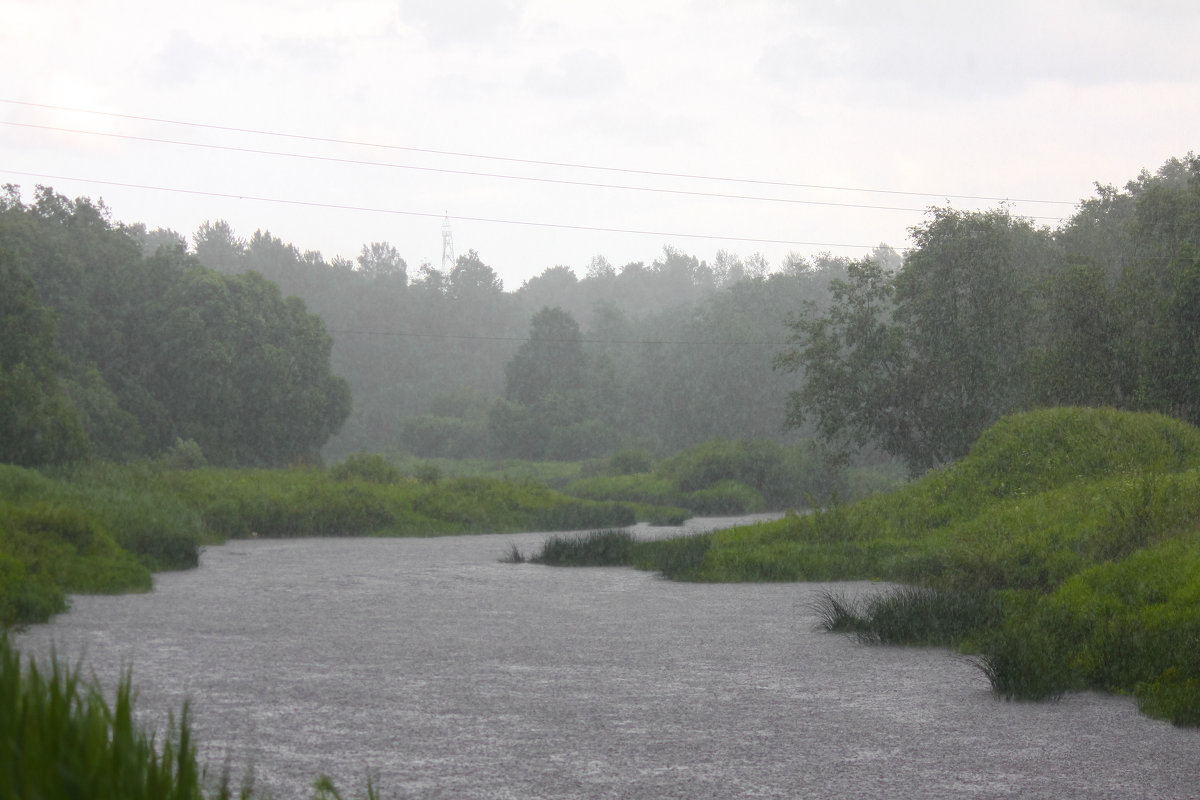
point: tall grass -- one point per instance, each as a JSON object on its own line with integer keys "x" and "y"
{"x": 61, "y": 739}
{"x": 593, "y": 549}
{"x": 309, "y": 502}
{"x": 611, "y": 548}
{"x": 908, "y": 615}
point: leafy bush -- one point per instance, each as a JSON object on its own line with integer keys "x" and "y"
{"x": 427, "y": 473}
{"x": 638, "y": 488}
{"x": 430, "y": 436}
{"x": 584, "y": 514}
{"x": 26, "y": 598}
{"x": 785, "y": 477}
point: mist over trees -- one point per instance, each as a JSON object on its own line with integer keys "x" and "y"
{"x": 655, "y": 356}
{"x": 121, "y": 341}
{"x": 990, "y": 314}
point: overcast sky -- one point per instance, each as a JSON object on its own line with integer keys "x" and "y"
{"x": 912, "y": 104}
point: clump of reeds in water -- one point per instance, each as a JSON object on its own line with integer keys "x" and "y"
{"x": 513, "y": 555}
{"x": 908, "y": 615}
{"x": 608, "y": 548}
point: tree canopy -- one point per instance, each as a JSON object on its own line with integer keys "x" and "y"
{"x": 989, "y": 314}
{"x": 150, "y": 349}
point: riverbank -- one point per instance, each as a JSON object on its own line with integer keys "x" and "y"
{"x": 106, "y": 528}
{"x": 1065, "y": 548}
{"x": 429, "y": 666}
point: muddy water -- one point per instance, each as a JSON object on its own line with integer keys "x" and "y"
{"x": 445, "y": 674}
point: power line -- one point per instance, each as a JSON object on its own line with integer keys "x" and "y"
{"x": 447, "y": 171}
{"x": 489, "y": 220}
{"x": 510, "y": 159}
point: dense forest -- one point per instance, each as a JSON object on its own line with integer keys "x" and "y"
{"x": 656, "y": 356}
{"x": 990, "y": 315}
{"x": 108, "y": 352}
{"x": 124, "y": 342}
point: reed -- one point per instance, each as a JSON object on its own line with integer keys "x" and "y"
{"x": 513, "y": 555}
{"x": 61, "y": 739}
{"x": 680, "y": 558}
{"x": 605, "y": 548}
{"x": 909, "y": 615}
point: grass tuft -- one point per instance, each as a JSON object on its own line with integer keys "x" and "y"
{"x": 837, "y": 612}
{"x": 908, "y": 615}
{"x": 594, "y": 549}
{"x": 513, "y": 555}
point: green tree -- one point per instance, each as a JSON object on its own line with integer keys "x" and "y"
{"x": 245, "y": 373}
{"x": 473, "y": 281}
{"x": 851, "y": 359}
{"x": 922, "y": 361}
{"x": 1080, "y": 360}
{"x": 218, "y": 247}
{"x": 1120, "y": 319}
{"x": 38, "y": 424}
{"x": 550, "y": 362}
{"x": 380, "y": 260}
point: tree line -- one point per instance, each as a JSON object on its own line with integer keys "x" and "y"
{"x": 108, "y": 351}
{"x": 990, "y": 314}
{"x": 123, "y": 341}
{"x": 448, "y": 363}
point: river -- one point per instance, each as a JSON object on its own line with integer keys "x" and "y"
{"x": 443, "y": 673}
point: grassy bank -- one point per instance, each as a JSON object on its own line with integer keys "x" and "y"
{"x": 105, "y": 528}
{"x": 1066, "y": 548}
{"x": 723, "y": 477}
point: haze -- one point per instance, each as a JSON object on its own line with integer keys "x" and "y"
{"x": 951, "y": 101}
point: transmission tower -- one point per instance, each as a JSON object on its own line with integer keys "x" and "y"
{"x": 447, "y": 246}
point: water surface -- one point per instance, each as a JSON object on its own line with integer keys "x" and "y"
{"x": 446, "y": 674}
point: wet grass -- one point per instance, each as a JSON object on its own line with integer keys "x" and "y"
{"x": 604, "y": 548}
{"x": 908, "y": 615}
{"x": 61, "y": 739}
{"x": 513, "y": 555}
{"x": 312, "y": 502}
